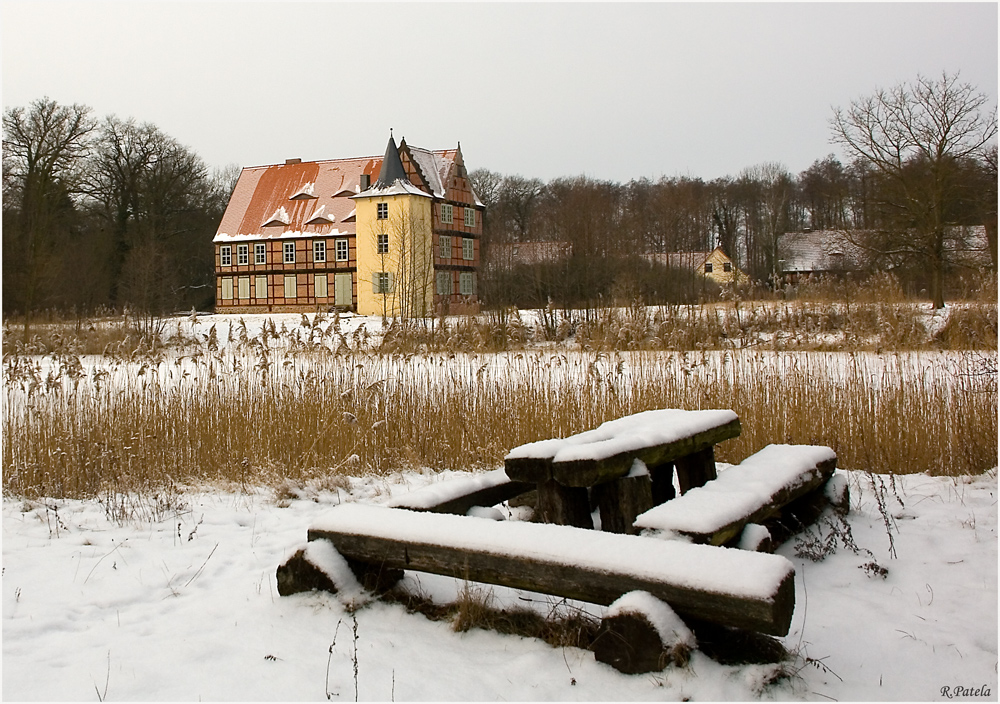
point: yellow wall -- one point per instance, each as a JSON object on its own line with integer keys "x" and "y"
{"x": 409, "y": 259}
{"x": 718, "y": 274}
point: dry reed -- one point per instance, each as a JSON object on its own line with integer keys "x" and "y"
{"x": 294, "y": 405}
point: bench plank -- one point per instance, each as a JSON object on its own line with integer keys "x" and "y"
{"x": 749, "y": 492}
{"x": 735, "y": 588}
{"x": 459, "y": 495}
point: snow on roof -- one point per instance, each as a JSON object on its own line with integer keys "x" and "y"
{"x": 701, "y": 567}
{"x": 737, "y": 492}
{"x": 280, "y": 216}
{"x": 634, "y": 432}
{"x": 320, "y": 216}
{"x": 399, "y": 187}
{"x": 680, "y": 260}
{"x": 815, "y": 251}
{"x": 434, "y": 169}
{"x": 261, "y": 190}
{"x": 306, "y": 187}
{"x": 307, "y": 191}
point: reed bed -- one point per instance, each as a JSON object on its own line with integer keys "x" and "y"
{"x": 314, "y": 405}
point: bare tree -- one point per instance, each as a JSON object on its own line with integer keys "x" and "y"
{"x": 152, "y": 195}
{"x": 43, "y": 149}
{"x": 915, "y": 135}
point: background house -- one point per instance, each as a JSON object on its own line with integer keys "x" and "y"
{"x": 816, "y": 252}
{"x": 715, "y": 265}
{"x": 840, "y": 252}
{"x": 391, "y": 235}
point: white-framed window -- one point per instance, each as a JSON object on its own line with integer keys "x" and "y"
{"x": 467, "y": 283}
{"x": 320, "y": 283}
{"x": 382, "y": 244}
{"x": 444, "y": 247}
{"x": 227, "y": 288}
{"x": 342, "y": 249}
{"x": 260, "y": 253}
{"x": 291, "y": 286}
{"x": 242, "y": 254}
{"x": 289, "y": 252}
{"x": 444, "y": 283}
{"x": 382, "y": 211}
{"x": 260, "y": 286}
{"x": 468, "y": 248}
{"x": 470, "y": 217}
{"x": 447, "y": 217}
{"x": 319, "y": 251}
{"x": 226, "y": 256}
{"x": 244, "y": 287}
{"x": 382, "y": 282}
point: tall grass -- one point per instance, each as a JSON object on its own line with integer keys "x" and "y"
{"x": 312, "y": 402}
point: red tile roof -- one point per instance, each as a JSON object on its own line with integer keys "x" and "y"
{"x": 303, "y": 190}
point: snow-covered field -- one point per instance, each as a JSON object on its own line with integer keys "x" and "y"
{"x": 185, "y": 607}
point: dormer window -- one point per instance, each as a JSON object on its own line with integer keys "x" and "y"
{"x": 280, "y": 217}
{"x": 320, "y": 217}
{"x": 304, "y": 193}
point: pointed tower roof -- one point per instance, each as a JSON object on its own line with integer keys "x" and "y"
{"x": 392, "y": 166}
{"x": 392, "y": 179}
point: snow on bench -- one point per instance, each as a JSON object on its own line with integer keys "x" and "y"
{"x": 746, "y": 493}
{"x": 731, "y": 587}
{"x": 460, "y": 495}
{"x": 609, "y": 451}
{"x": 628, "y": 462}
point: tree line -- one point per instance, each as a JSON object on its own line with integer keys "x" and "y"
{"x": 114, "y": 213}
{"x": 923, "y": 158}
{"x": 105, "y": 213}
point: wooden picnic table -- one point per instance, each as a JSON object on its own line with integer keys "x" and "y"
{"x": 625, "y": 466}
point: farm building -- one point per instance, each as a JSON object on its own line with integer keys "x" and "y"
{"x": 816, "y": 252}
{"x": 839, "y": 252}
{"x": 715, "y": 265}
{"x": 396, "y": 235}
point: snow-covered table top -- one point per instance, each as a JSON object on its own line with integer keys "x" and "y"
{"x": 610, "y": 450}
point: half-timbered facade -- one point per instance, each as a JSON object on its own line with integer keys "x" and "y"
{"x": 397, "y": 235}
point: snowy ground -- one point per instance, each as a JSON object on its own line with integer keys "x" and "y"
{"x": 185, "y": 607}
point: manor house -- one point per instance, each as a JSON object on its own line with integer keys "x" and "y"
{"x": 397, "y": 235}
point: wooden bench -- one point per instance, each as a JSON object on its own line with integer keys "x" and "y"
{"x": 627, "y": 463}
{"x": 750, "y": 492}
{"x": 734, "y": 588}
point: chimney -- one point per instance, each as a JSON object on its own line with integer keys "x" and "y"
{"x": 292, "y": 161}
{"x": 366, "y": 182}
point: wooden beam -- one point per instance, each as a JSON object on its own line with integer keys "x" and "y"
{"x": 731, "y": 587}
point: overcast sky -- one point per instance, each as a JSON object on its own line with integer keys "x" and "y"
{"x": 613, "y": 91}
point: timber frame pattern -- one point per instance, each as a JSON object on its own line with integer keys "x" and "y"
{"x": 294, "y": 235}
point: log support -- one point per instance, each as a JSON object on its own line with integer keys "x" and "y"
{"x": 696, "y": 469}
{"x": 563, "y": 505}
{"x": 663, "y": 483}
{"x": 621, "y": 500}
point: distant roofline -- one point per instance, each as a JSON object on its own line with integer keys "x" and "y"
{"x": 315, "y": 161}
